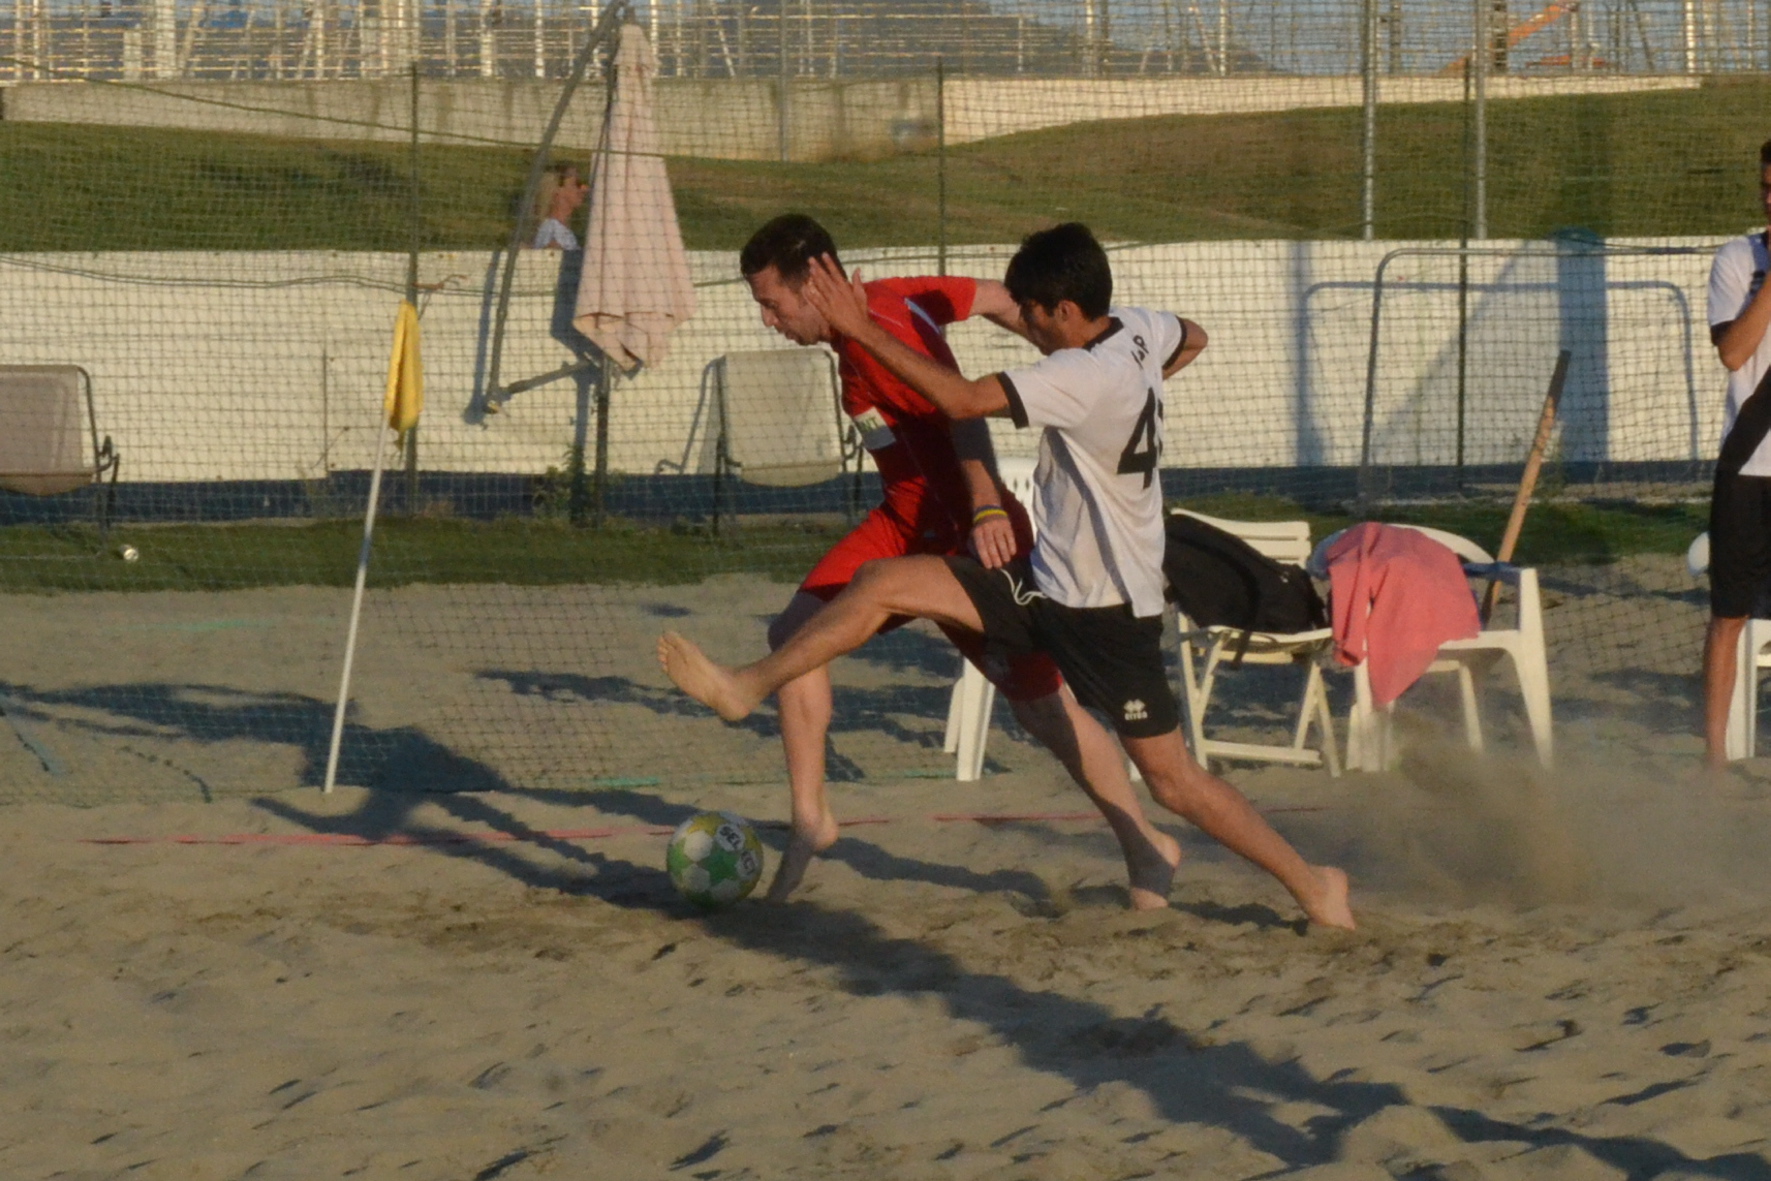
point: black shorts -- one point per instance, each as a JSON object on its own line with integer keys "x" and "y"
{"x": 1112, "y": 658}
{"x": 1740, "y": 547}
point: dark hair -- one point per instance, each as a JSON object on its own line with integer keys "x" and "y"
{"x": 1765, "y": 154}
{"x": 1064, "y": 262}
{"x": 788, "y": 243}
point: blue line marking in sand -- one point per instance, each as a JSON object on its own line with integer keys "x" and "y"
{"x": 15, "y": 715}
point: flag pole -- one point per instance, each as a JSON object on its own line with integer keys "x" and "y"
{"x": 350, "y": 641}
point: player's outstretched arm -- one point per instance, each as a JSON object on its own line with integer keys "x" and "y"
{"x": 843, "y": 304}
{"x": 993, "y": 302}
{"x": 1193, "y": 344}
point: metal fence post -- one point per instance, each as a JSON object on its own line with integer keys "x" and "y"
{"x": 1463, "y": 280}
{"x": 1484, "y": 49}
{"x": 784, "y": 99}
{"x": 1368, "y": 78}
{"x": 941, "y": 160}
{"x": 412, "y": 215}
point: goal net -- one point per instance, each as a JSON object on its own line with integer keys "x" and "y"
{"x": 217, "y": 220}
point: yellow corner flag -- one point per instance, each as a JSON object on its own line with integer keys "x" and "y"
{"x": 405, "y": 373}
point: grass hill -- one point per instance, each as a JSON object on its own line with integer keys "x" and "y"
{"x": 1661, "y": 163}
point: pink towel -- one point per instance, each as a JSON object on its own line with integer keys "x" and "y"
{"x": 1397, "y": 596}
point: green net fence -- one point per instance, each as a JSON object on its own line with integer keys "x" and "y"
{"x": 1391, "y": 217}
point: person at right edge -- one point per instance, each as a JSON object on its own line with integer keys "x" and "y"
{"x": 1740, "y": 509}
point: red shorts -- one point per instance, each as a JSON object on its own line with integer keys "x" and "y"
{"x": 1022, "y": 678}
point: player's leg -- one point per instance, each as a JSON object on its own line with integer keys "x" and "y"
{"x": 1721, "y": 653}
{"x": 1048, "y": 711}
{"x": 805, "y": 711}
{"x": 1097, "y": 765}
{"x": 805, "y": 701}
{"x": 1181, "y": 785}
{"x": 1113, "y": 662}
{"x": 922, "y": 587}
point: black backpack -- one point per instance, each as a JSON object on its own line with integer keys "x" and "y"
{"x": 1216, "y": 578}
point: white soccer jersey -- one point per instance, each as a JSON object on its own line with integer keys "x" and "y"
{"x": 1735, "y": 277}
{"x": 1097, "y": 492}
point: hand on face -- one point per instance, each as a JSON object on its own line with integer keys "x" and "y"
{"x": 842, "y": 302}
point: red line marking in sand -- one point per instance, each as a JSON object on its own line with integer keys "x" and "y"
{"x": 352, "y": 841}
{"x": 784, "y": 825}
{"x": 1010, "y": 817}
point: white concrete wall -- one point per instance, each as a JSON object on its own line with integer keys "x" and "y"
{"x": 270, "y": 365}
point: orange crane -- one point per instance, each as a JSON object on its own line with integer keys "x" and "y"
{"x": 1536, "y": 23}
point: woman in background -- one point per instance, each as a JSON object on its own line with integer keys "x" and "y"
{"x": 558, "y": 198}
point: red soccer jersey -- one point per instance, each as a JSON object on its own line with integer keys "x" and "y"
{"x": 925, "y": 489}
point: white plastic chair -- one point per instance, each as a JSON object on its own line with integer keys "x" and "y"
{"x": 974, "y": 697}
{"x": 1206, "y": 649}
{"x": 1741, "y": 741}
{"x": 49, "y": 441}
{"x": 1370, "y": 741}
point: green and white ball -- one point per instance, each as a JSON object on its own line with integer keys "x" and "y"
{"x": 714, "y": 858}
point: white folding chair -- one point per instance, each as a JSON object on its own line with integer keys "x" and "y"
{"x": 974, "y": 697}
{"x": 779, "y": 422}
{"x": 1204, "y": 650}
{"x": 49, "y": 441}
{"x": 1741, "y": 741}
{"x": 1370, "y": 737}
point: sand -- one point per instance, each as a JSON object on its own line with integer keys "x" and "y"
{"x": 1531, "y": 995}
{"x": 1559, "y": 975}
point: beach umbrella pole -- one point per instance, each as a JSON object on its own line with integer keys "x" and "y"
{"x": 350, "y": 640}
{"x": 604, "y": 392}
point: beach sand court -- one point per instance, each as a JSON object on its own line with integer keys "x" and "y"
{"x": 476, "y": 967}
{"x": 948, "y": 998}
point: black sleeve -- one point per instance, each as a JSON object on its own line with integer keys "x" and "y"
{"x": 1017, "y": 411}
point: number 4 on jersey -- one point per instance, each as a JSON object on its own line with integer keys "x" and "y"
{"x": 1144, "y": 447}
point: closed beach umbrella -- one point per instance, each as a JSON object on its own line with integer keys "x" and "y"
{"x": 635, "y": 286}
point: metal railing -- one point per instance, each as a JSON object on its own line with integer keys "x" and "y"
{"x": 283, "y": 40}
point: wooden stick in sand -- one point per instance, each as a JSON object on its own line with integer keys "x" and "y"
{"x": 1546, "y": 423}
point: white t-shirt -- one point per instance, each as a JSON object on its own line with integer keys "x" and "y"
{"x": 1735, "y": 275}
{"x": 1097, "y": 491}
{"x": 554, "y": 232}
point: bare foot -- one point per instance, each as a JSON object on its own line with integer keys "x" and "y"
{"x": 1728, "y": 781}
{"x": 805, "y": 844}
{"x": 1331, "y": 908}
{"x": 1152, "y": 871}
{"x": 713, "y": 685}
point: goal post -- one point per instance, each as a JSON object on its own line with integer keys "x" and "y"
{"x": 1462, "y": 340}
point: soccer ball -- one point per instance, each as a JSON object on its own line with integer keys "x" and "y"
{"x": 714, "y": 858}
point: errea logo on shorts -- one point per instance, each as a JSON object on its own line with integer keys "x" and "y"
{"x": 1135, "y": 711}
